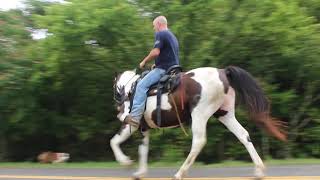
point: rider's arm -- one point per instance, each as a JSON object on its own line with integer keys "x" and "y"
{"x": 153, "y": 54}
{"x": 158, "y": 44}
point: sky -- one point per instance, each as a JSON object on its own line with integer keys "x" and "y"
{"x": 10, "y": 4}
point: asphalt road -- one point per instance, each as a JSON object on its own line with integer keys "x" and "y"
{"x": 301, "y": 172}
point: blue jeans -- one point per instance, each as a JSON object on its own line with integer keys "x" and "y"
{"x": 140, "y": 97}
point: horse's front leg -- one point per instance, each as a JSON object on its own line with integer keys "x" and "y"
{"x": 117, "y": 139}
{"x": 143, "y": 156}
{"x": 199, "y": 139}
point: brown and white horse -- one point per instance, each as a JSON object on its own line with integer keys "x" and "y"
{"x": 204, "y": 92}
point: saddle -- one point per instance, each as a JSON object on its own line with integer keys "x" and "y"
{"x": 167, "y": 83}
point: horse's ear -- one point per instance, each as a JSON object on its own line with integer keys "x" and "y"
{"x": 115, "y": 76}
{"x": 138, "y": 70}
{"x": 135, "y": 70}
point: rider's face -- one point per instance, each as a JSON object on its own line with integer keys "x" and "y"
{"x": 155, "y": 26}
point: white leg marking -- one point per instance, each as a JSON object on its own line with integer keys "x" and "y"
{"x": 230, "y": 121}
{"x": 242, "y": 134}
{"x": 117, "y": 140}
{"x": 143, "y": 156}
{"x": 200, "y": 116}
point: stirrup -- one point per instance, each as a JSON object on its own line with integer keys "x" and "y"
{"x": 129, "y": 120}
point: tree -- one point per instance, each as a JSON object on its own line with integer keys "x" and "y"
{"x": 60, "y": 88}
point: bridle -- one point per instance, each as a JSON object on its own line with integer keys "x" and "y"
{"x": 119, "y": 94}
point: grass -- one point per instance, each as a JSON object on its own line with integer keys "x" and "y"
{"x": 60, "y": 165}
{"x": 156, "y": 164}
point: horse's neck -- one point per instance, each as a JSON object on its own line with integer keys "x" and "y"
{"x": 131, "y": 82}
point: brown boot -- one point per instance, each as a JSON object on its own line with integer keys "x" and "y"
{"x": 130, "y": 120}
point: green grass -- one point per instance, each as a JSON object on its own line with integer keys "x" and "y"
{"x": 60, "y": 165}
{"x": 155, "y": 164}
{"x": 293, "y": 161}
{"x": 241, "y": 163}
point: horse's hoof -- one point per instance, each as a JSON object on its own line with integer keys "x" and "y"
{"x": 127, "y": 163}
{"x": 139, "y": 174}
{"x": 259, "y": 173}
{"x": 177, "y": 178}
{"x": 136, "y": 178}
{"x": 258, "y": 178}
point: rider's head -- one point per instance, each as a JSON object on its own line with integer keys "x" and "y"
{"x": 160, "y": 23}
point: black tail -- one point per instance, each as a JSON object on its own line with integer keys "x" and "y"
{"x": 252, "y": 96}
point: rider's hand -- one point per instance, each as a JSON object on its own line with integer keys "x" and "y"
{"x": 142, "y": 64}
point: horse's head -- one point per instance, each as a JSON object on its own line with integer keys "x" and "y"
{"x": 121, "y": 88}
{"x": 118, "y": 90}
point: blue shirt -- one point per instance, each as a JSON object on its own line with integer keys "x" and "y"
{"x": 169, "y": 49}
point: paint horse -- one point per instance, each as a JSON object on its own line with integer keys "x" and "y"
{"x": 206, "y": 92}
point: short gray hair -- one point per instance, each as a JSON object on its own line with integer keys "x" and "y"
{"x": 162, "y": 19}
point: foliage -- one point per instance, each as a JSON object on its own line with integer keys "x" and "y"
{"x": 56, "y": 93}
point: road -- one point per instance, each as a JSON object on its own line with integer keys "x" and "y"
{"x": 293, "y": 172}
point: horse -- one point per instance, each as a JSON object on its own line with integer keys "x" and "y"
{"x": 203, "y": 92}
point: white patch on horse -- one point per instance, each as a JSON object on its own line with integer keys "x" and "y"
{"x": 122, "y": 116}
{"x": 151, "y": 105}
{"x": 127, "y": 79}
{"x": 212, "y": 90}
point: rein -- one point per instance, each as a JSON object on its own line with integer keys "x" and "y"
{"x": 177, "y": 113}
{"x": 122, "y": 91}
{"x": 130, "y": 80}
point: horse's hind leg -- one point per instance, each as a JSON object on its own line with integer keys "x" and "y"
{"x": 117, "y": 139}
{"x": 242, "y": 134}
{"x": 143, "y": 156}
{"x": 230, "y": 121}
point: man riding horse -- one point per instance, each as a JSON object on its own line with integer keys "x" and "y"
{"x": 166, "y": 54}
{"x": 203, "y": 93}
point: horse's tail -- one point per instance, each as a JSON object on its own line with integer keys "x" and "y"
{"x": 251, "y": 95}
